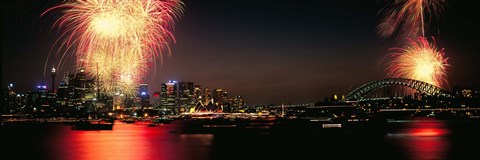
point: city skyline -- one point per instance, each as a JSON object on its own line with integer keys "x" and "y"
{"x": 267, "y": 52}
{"x": 216, "y": 79}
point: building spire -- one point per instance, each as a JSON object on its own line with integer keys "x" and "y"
{"x": 53, "y": 73}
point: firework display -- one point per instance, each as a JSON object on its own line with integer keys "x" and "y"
{"x": 117, "y": 39}
{"x": 406, "y": 18}
{"x": 417, "y": 59}
{"x": 420, "y": 60}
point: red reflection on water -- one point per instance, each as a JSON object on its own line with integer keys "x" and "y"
{"x": 424, "y": 139}
{"x": 426, "y": 127}
{"x": 427, "y": 147}
{"x": 427, "y": 132}
{"x": 128, "y": 141}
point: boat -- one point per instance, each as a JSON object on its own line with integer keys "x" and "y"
{"x": 92, "y": 125}
{"x": 129, "y": 120}
{"x": 164, "y": 120}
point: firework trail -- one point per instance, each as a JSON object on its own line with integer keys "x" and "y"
{"x": 117, "y": 39}
{"x": 406, "y": 18}
{"x": 417, "y": 59}
{"x": 420, "y": 60}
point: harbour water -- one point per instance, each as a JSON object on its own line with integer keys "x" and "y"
{"x": 430, "y": 139}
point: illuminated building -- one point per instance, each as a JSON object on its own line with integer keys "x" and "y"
{"x": 206, "y": 95}
{"x": 9, "y": 97}
{"x": 182, "y": 97}
{"x": 221, "y": 98}
{"x": 224, "y": 101}
{"x": 169, "y": 95}
{"x": 53, "y": 73}
{"x": 185, "y": 96}
{"x": 118, "y": 101}
{"x": 76, "y": 90}
{"x": 237, "y": 103}
{"x": 178, "y": 96}
{"x": 143, "y": 95}
{"x": 62, "y": 94}
{"x": 208, "y": 107}
{"x": 217, "y": 96}
{"x": 156, "y": 100}
{"x": 197, "y": 93}
{"x": 467, "y": 93}
{"x": 84, "y": 90}
{"x": 336, "y": 98}
{"x": 42, "y": 94}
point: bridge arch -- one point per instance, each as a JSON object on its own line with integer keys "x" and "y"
{"x": 420, "y": 86}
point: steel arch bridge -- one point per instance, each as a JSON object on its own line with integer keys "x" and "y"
{"x": 420, "y": 86}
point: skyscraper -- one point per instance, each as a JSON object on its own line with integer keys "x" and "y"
{"x": 185, "y": 94}
{"x": 142, "y": 90}
{"x": 62, "y": 94}
{"x": 53, "y": 73}
{"x": 197, "y": 93}
{"x": 206, "y": 95}
{"x": 81, "y": 90}
{"x": 217, "y": 96}
{"x": 156, "y": 99}
{"x": 143, "y": 95}
{"x": 237, "y": 103}
{"x": 169, "y": 95}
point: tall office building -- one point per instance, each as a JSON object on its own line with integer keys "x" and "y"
{"x": 81, "y": 90}
{"x": 143, "y": 95}
{"x": 156, "y": 100}
{"x": 224, "y": 102}
{"x": 224, "y": 98}
{"x": 207, "y": 95}
{"x": 185, "y": 94}
{"x": 237, "y": 103}
{"x": 80, "y": 84}
{"x": 169, "y": 95}
{"x": 197, "y": 93}
{"x": 217, "y": 96}
{"x": 142, "y": 89}
{"x": 62, "y": 94}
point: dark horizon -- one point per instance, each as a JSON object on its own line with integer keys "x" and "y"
{"x": 266, "y": 51}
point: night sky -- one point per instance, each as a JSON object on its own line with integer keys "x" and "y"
{"x": 266, "y": 51}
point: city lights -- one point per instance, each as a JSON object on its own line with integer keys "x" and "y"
{"x": 118, "y": 39}
{"x": 249, "y": 80}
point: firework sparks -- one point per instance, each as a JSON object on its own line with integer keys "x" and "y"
{"x": 406, "y": 17}
{"x": 420, "y": 61}
{"x": 117, "y": 39}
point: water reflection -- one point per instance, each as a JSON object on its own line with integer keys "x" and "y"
{"x": 130, "y": 141}
{"x": 423, "y": 139}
